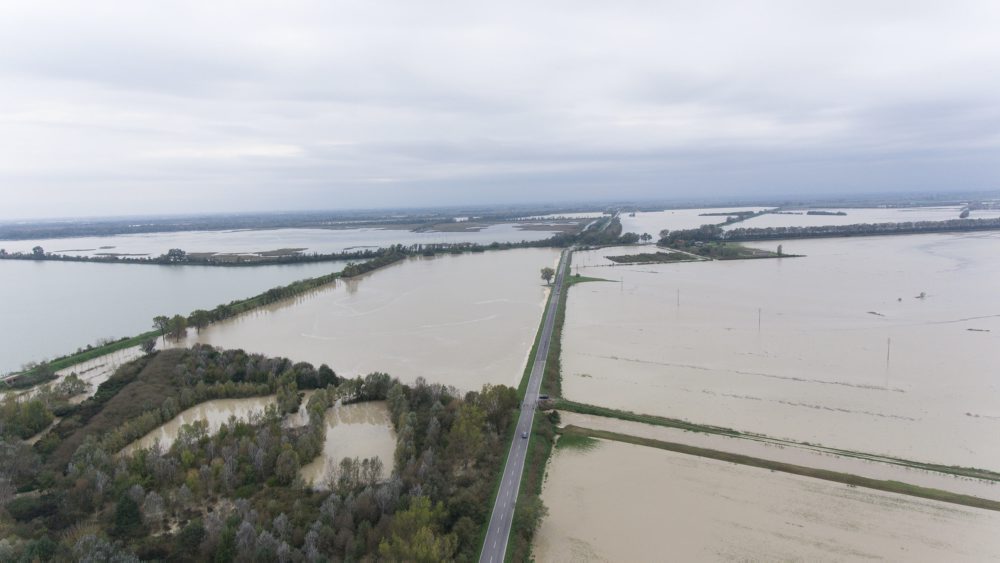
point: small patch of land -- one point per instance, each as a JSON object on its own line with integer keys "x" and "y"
{"x": 726, "y": 250}
{"x": 652, "y": 258}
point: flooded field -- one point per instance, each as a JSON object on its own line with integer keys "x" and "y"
{"x": 621, "y": 502}
{"x": 93, "y": 372}
{"x": 653, "y": 222}
{"x": 216, "y": 413}
{"x": 53, "y": 308}
{"x": 460, "y": 320}
{"x": 361, "y": 430}
{"x": 322, "y": 241}
{"x": 837, "y": 348}
{"x": 807, "y": 456}
{"x": 861, "y": 215}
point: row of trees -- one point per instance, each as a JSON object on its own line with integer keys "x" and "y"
{"x": 907, "y": 227}
{"x": 704, "y": 233}
{"x": 177, "y": 256}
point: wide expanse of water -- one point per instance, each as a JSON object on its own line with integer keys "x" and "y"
{"x": 622, "y": 502}
{"x": 322, "y": 241}
{"x": 462, "y": 320}
{"x": 835, "y": 348}
{"x": 653, "y": 222}
{"x": 53, "y": 308}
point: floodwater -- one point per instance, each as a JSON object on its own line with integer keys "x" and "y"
{"x": 216, "y": 413}
{"x": 97, "y": 370}
{"x": 54, "y": 308}
{"x": 361, "y": 430}
{"x": 622, "y": 502}
{"x": 861, "y": 215}
{"x": 322, "y": 241}
{"x": 806, "y": 456}
{"x": 461, "y": 320}
{"x": 835, "y": 348}
{"x": 93, "y": 372}
{"x": 653, "y": 222}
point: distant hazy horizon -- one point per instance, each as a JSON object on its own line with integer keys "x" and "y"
{"x": 813, "y": 200}
{"x": 115, "y": 108}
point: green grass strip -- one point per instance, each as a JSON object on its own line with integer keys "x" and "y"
{"x": 825, "y": 474}
{"x": 581, "y": 408}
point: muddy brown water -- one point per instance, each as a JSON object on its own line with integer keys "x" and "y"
{"x": 797, "y": 348}
{"x": 459, "y": 320}
{"x": 806, "y": 456}
{"x": 622, "y": 502}
{"x": 215, "y": 413}
{"x": 361, "y": 430}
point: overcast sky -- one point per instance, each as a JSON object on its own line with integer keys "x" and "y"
{"x": 111, "y": 108}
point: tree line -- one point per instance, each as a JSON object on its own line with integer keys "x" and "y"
{"x": 862, "y": 229}
{"x": 712, "y": 233}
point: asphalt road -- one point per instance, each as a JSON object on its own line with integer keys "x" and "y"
{"x": 498, "y": 533}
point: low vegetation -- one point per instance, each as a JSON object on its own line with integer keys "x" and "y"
{"x": 825, "y": 474}
{"x": 529, "y": 509}
{"x": 651, "y": 258}
{"x": 582, "y": 408}
{"x": 726, "y": 251}
{"x": 863, "y": 229}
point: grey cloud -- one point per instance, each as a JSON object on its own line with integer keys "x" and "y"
{"x": 113, "y": 107}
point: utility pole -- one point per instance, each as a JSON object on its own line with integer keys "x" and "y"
{"x": 888, "y": 348}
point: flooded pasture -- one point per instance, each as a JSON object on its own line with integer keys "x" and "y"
{"x": 361, "y": 430}
{"x": 461, "y": 320}
{"x": 215, "y": 413}
{"x": 53, "y": 308}
{"x": 622, "y": 502}
{"x": 838, "y": 348}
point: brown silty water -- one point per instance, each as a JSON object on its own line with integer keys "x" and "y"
{"x": 837, "y": 348}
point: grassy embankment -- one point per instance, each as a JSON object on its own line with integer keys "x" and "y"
{"x": 522, "y": 390}
{"x": 25, "y": 379}
{"x": 827, "y": 475}
{"x": 581, "y": 408}
{"x": 529, "y": 510}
